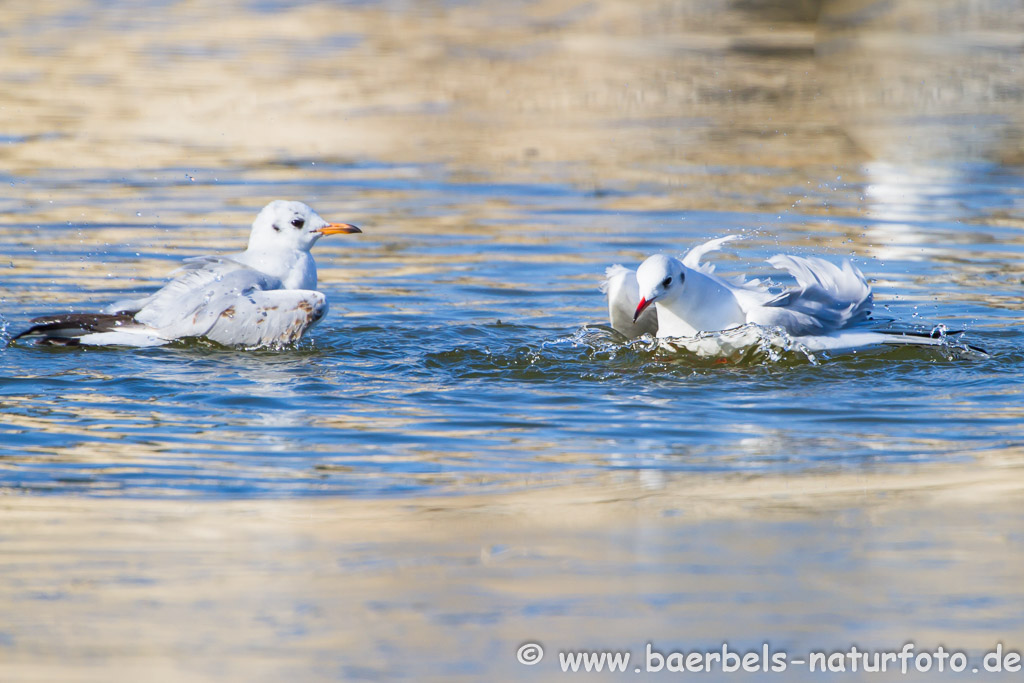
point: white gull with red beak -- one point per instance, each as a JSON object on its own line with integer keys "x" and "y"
{"x": 685, "y": 299}
{"x": 263, "y": 296}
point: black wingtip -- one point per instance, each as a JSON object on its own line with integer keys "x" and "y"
{"x": 72, "y": 325}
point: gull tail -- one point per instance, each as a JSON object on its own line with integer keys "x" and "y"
{"x": 74, "y": 329}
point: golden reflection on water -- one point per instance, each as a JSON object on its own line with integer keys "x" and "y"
{"x": 336, "y": 588}
{"x": 921, "y": 81}
{"x": 698, "y": 105}
{"x": 618, "y": 86}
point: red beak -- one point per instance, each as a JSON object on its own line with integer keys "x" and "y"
{"x": 644, "y": 303}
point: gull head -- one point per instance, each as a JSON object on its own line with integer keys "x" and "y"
{"x": 660, "y": 278}
{"x": 291, "y": 225}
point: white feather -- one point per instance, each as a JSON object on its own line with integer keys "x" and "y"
{"x": 263, "y": 296}
{"x": 822, "y": 312}
{"x": 623, "y": 296}
{"x": 126, "y": 337}
{"x": 693, "y": 257}
{"x": 827, "y": 297}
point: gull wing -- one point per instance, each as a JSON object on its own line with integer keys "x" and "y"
{"x": 692, "y": 258}
{"x": 72, "y": 329}
{"x": 193, "y": 302}
{"x": 749, "y": 292}
{"x": 189, "y": 264}
{"x": 827, "y": 297}
{"x": 275, "y": 317}
{"x": 215, "y": 297}
{"x": 623, "y": 293}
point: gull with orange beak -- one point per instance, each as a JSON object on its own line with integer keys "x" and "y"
{"x": 264, "y": 296}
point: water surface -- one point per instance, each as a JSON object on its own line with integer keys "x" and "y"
{"x": 461, "y": 457}
{"x": 466, "y": 341}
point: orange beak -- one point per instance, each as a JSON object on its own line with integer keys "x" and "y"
{"x": 338, "y": 229}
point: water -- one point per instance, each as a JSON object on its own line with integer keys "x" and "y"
{"x": 461, "y": 458}
{"x": 467, "y": 356}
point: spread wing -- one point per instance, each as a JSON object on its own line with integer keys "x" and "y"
{"x": 693, "y": 257}
{"x": 623, "y": 294}
{"x": 827, "y": 297}
{"x": 753, "y": 289}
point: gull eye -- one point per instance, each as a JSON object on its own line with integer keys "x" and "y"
{"x": 298, "y": 222}
{"x": 667, "y": 281}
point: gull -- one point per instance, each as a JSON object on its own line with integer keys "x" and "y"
{"x": 683, "y": 300}
{"x": 263, "y": 296}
